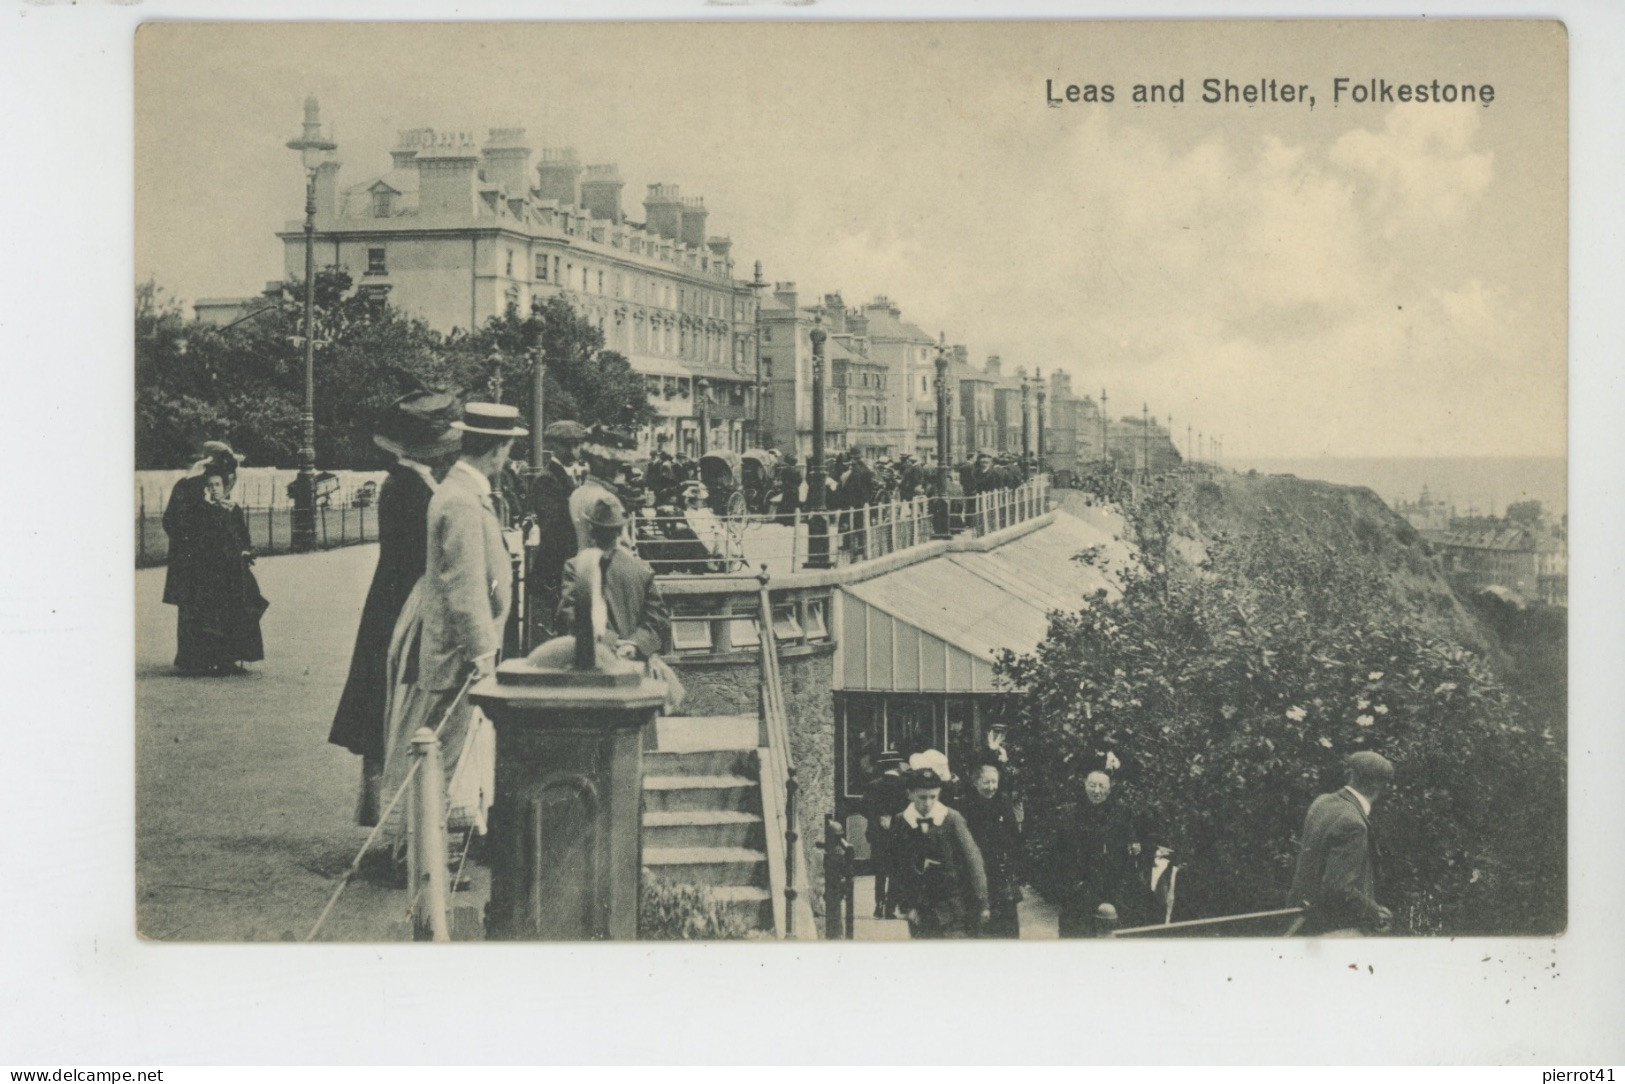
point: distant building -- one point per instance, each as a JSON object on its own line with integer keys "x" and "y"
{"x": 457, "y": 232}
{"x": 1531, "y": 563}
{"x": 1427, "y": 513}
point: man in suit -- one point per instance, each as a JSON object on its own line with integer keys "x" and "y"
{"x": 637, "y": 622}
{"x": 549, "y": 495}
{"x": 1336, "y": 874}
{"x": 463, "y": 602}
{"x": 417, "y": 431}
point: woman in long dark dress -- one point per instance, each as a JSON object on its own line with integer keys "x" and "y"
{"x": 417, "y": 431}
{"x": 1103, "y": 852}
{"x": 222, "y": 598}
{"x": 180, "y": 518}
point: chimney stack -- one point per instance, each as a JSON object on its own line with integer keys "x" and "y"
{"x": 327, "y": 187}
{"x": 694, "y": 215}
{"x": 835, "y": 314}
{"x": 506, "y": 160}
{"x": 556, "y": 175}
{"x": 601, "y": 192}
{"x": 785, "y": 294}
{"x": 663, "y": 210}
{"x": 994, "y": 366}
{"x": 446, "y": 170}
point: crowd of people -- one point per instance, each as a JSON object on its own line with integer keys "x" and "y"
{"x": 453, "y": 513}
{"x": 453, "y": 517}
{"x": 949, "y": 854}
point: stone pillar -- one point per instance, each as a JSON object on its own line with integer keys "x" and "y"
{"x": 566, "y": 821}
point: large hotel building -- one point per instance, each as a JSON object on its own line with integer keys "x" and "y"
{"x": 455, "y": 232}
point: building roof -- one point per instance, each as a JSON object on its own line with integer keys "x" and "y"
{"x": 936, "y": 626}
{"x": 883, "y": 325}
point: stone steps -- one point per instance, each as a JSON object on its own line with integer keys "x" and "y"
{"x": 702, "y": 819}
{"x": 702, "y": 828}
{"x": 730, "y": 866}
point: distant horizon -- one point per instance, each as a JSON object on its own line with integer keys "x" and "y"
{"x": 1476, "y": 484}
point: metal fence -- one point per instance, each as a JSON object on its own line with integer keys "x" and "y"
{"x": 698, "y": 542}
{"x": 270, "y": 529}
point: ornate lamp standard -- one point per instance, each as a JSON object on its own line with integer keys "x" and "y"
{"x": 1026, "y": 419}
{"x": 817, "y": 523}
{"x": 702, "y": 399}
{"x": 538, "y": 377}
{"x": 312, "y": 150}
{"x": 1042, "y": 396}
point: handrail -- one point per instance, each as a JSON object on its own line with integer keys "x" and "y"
{"x": 779, "y": 774}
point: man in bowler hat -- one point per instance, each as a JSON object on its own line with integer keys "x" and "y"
{"x": 1336, "y": 875}
{"x": 550, "y": 494}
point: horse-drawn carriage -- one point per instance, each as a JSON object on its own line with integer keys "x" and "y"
{"x": 723, "y": 476}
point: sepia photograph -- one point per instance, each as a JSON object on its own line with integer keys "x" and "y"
{"x": 1026, "y": 481}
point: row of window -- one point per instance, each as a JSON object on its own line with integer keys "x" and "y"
{"x": 868, "y": 415}
{"x": 645, "y": 290}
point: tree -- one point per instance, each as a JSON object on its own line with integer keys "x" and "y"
{"x": 584, "y": 381}
{"x": 1525, "y": 513}
{"x": 1231, "y": 692}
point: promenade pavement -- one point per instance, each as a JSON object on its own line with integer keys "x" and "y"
{"x": 244, "y": 812}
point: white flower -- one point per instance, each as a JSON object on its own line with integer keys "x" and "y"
{"x": 1365, "y": 720}
{"x": 1296, "y": 714}
{"x": 1112, "y": 763}
{"x": 1327, "y": 742}
{"x": 1381, "y": 709}
{"x": 1476, "y": 875}
{"x": 1375, "y": 675}
{"x": 1228, "y": 711}
{"x": 1362, "y": 704}
{"x": 1446, "y": 687}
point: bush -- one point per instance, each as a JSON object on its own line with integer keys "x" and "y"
{"x": 684, "y": 912}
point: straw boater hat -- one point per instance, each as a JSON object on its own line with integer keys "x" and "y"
{"x": 492, "y": 420}
{"x": 419, "y": 426}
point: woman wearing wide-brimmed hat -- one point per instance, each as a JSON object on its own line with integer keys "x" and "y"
{"x": 417, "y": 430}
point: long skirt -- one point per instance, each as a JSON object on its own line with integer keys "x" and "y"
{"x": 467, "y": 739}
{"x": 213, "y": 637}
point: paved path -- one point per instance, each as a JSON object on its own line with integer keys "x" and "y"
{"x": 244, "y": 812}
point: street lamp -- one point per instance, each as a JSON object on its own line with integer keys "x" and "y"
{"x": 1042, "y": 396}
{"x": 538, "y": 376}
{"x": 817, "y": 524}
{"x": 313, "y": 150}
{"x": 702, "y": 398}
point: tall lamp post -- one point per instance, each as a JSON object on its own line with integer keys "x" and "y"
{"x": 1042, "y": 395}
{"x": 757, "y": 285}
{"x": 1105, "y": 452}
{"x": 702, "y": 399}
{"x": 538, "y": 376}
{"x": 817, "y": 523}
{"x": 312, "y": 150}
{"x": 941, "y": 524}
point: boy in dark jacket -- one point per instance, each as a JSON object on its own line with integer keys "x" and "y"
{"x": 938, "y": 881}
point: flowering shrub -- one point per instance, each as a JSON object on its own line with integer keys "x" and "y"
{"x": 668, "y": 911}
{"x": 1232, "y": 691}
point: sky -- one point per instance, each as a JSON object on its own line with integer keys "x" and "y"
{"x": 1348, "y": 280}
